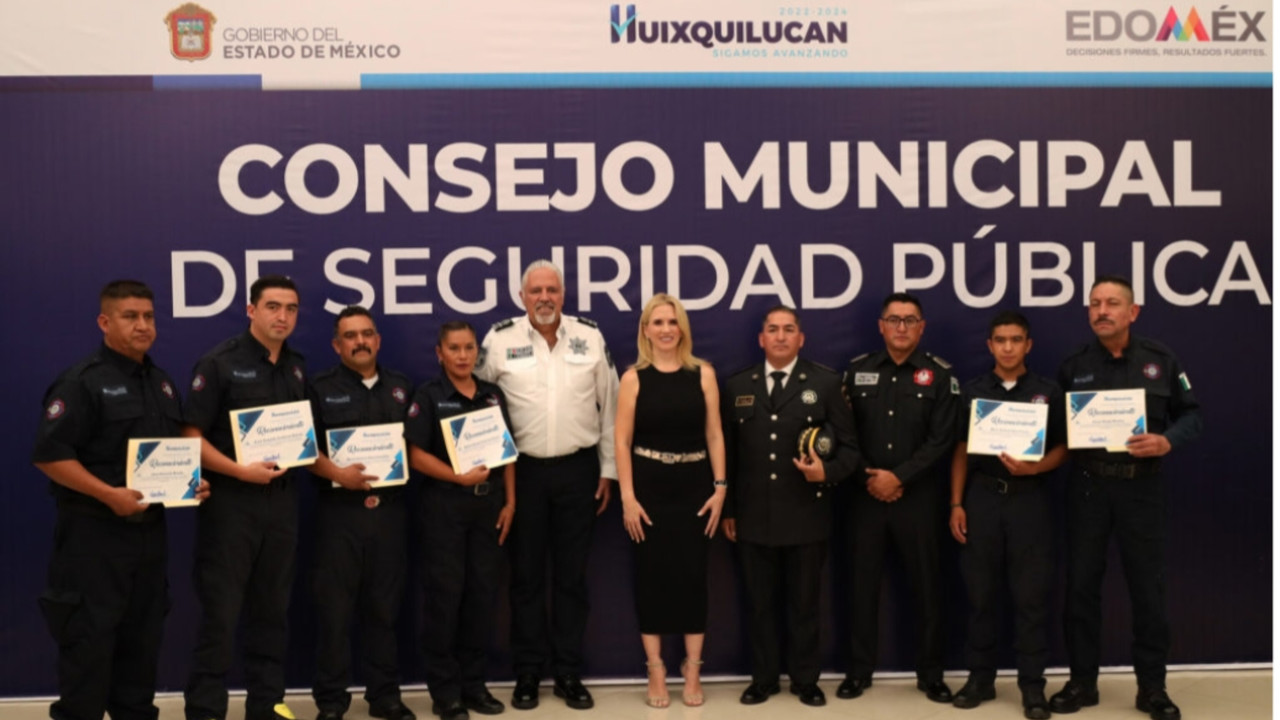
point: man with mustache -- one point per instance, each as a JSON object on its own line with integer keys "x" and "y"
{"x": 360, "y": 531}
{"x": 904, "y": 404}
{"x": 108, "y": 587}
{"x": 1124, "y": 493}
{"x": 561, "y": 389}
{"x": 248, "y": 530}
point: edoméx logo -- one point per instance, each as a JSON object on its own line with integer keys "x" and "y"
{"x": 1224, "y": 25}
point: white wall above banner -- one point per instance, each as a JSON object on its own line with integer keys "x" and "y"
{"x": 404, "y": 43}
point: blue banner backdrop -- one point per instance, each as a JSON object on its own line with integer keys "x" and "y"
{"x": 105, "y": 184}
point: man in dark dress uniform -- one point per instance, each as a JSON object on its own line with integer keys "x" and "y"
{"x": 904, "y": 403}
{"x": 360, "y": 531}
{"x": 108, "y": 587}
{"x": 1000, "y": 513}
{"x": 1124, "y": 493}
{"x": 778, "y": 505}
{"x": 248, "y": 531}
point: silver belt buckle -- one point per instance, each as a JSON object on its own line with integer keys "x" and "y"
{"x": 481, "y": 490}
{"x": 669, "y": 458}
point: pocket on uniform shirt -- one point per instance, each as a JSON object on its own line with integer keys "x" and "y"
{"x": 245, "y": 395}
{"x": 122, "y": 409}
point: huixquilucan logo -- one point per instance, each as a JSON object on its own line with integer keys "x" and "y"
{"x": 1143, "y": 25}
{"x": 709, "y": 34}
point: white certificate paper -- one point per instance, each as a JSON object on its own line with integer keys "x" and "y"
{"x": 1105, "y": 418}
{"x": 480, "y": 437}
{"x": 164, "y": 470}
{"x": 283, "y": 434}
{"x": 1015, "y": 428}
{"x": 380, "y": 448}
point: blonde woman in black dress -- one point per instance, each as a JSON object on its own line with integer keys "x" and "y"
{"x": 670, "y": 453}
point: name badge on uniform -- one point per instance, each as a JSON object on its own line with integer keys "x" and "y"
{"x": 744, "y": 401}
{"x": 520, "y": 353}
{"x": 866, "y": 378}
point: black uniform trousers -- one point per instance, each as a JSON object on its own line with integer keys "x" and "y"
{"x": 105, "y": 603}
{"x": 912, "y": 523}
{"x": 1010, "y": 538}
{"x": 462, "y": 569}
{"x": 245, "y": 546}
{"x": 555, "y": 514}
{"x": 766, "y": 570}
{"x": 1134, "y": 509}
{"x": 359, "y": 573}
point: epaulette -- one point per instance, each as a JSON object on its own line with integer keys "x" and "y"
{"x": 1080, "y": 350}
{"x": 820, "y": 366}
{"x": 225, "y": 346}
{"x": 588, "y": 322}
{"x": 745, "y": 370}
{"x": 860, "y": 358}
{"x": 395, "y": 374}
{"x": 325, "y": 374}
{"x": 941, "y": 363}
{"x": 502, "y": 325}
{"x": 1155, "y": 346}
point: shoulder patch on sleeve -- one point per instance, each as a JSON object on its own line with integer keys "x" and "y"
{"x": 588, "y": 322}
{"x": 502, "y": 325}
{"x": 941, "y": 363}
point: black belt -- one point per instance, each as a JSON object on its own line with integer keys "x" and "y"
{"x": 479, "y": 489}
{"x": 1000, "y": 486}
{"x": 558, "y": 459}
{"x": 1120, "y": 470}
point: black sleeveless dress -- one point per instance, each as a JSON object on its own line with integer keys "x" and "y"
{"x": 671, "y": 563}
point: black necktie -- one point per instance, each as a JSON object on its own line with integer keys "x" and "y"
{"x": 776, "y": 392}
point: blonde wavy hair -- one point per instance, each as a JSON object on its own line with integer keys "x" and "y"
{"x": 684, "y": 350}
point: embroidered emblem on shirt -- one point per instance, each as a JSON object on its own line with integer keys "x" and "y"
{"x": 413, "y": 410}
{"x": 297, "y": 372}
{"x": 115, "y": 391}
{"x": 1151, "y": 370}
{"x": 955, "y": 386}
{"x": 481, "y": 356}
{"x": 398, "y": 394}
{"x": 865, "y": 378}
{"x": 1040, "y": 399}
{"x": 809, "y": 397}
{"x": 578, "y": 346}
{"x": 923, "y": 376}
{"x": 167, "y": 389}
{"x": 1082, "y": 379}
{"x": 338, "y": 399}
{"x": 244, "y": 374}
{"x": 197, "y": 383}
{"x": 1185, "y": 381}
{"x": 55, "y": 409}
{"x": 372, "y": 501}
{"x": 520, "y": 352}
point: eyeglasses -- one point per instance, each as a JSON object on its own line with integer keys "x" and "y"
{"x": 908, "y": 322}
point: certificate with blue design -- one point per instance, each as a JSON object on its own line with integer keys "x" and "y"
{"x": 380, "y": 448}
{"x": 1016, "y": 429}
{"x": 480, "y": 437}
{"x": 283, "y": 434}
{"x": 1105, "y": 418}
{"x": 164, "y": 470}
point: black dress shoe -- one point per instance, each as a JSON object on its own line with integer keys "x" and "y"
{"x": 391, "y": 711}
{"x": 1156, "y": 703}
{"x": 1073, "y": 696}
{"x": 525, "y": 696}
{"x": 810, "y": 694}
{"x": 936, "y": 691}
{"x": 973, "y": 693}
{"x": 852, "y": 688}
{"x": 575, "y": 695}
{"x": 1034, "y": 706}
{"x": 484, "y": 703}
{"x": 452, "y": 710}
{"x": 757, "y": 693}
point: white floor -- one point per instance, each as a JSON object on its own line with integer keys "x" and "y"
{"x": 1202, "y": 695}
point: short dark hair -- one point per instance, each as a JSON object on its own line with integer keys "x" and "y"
{"x": 902, "y": 298}
{"x": 1010, "y": 317}
{"x": 121, "y": 289}
{"x": 1120, "y": 280}
{"x": 764, "y": 319}
{"x": 352, "y": 311}
{"x": 452, "y": 326}
{"x": 270, "y": 281}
